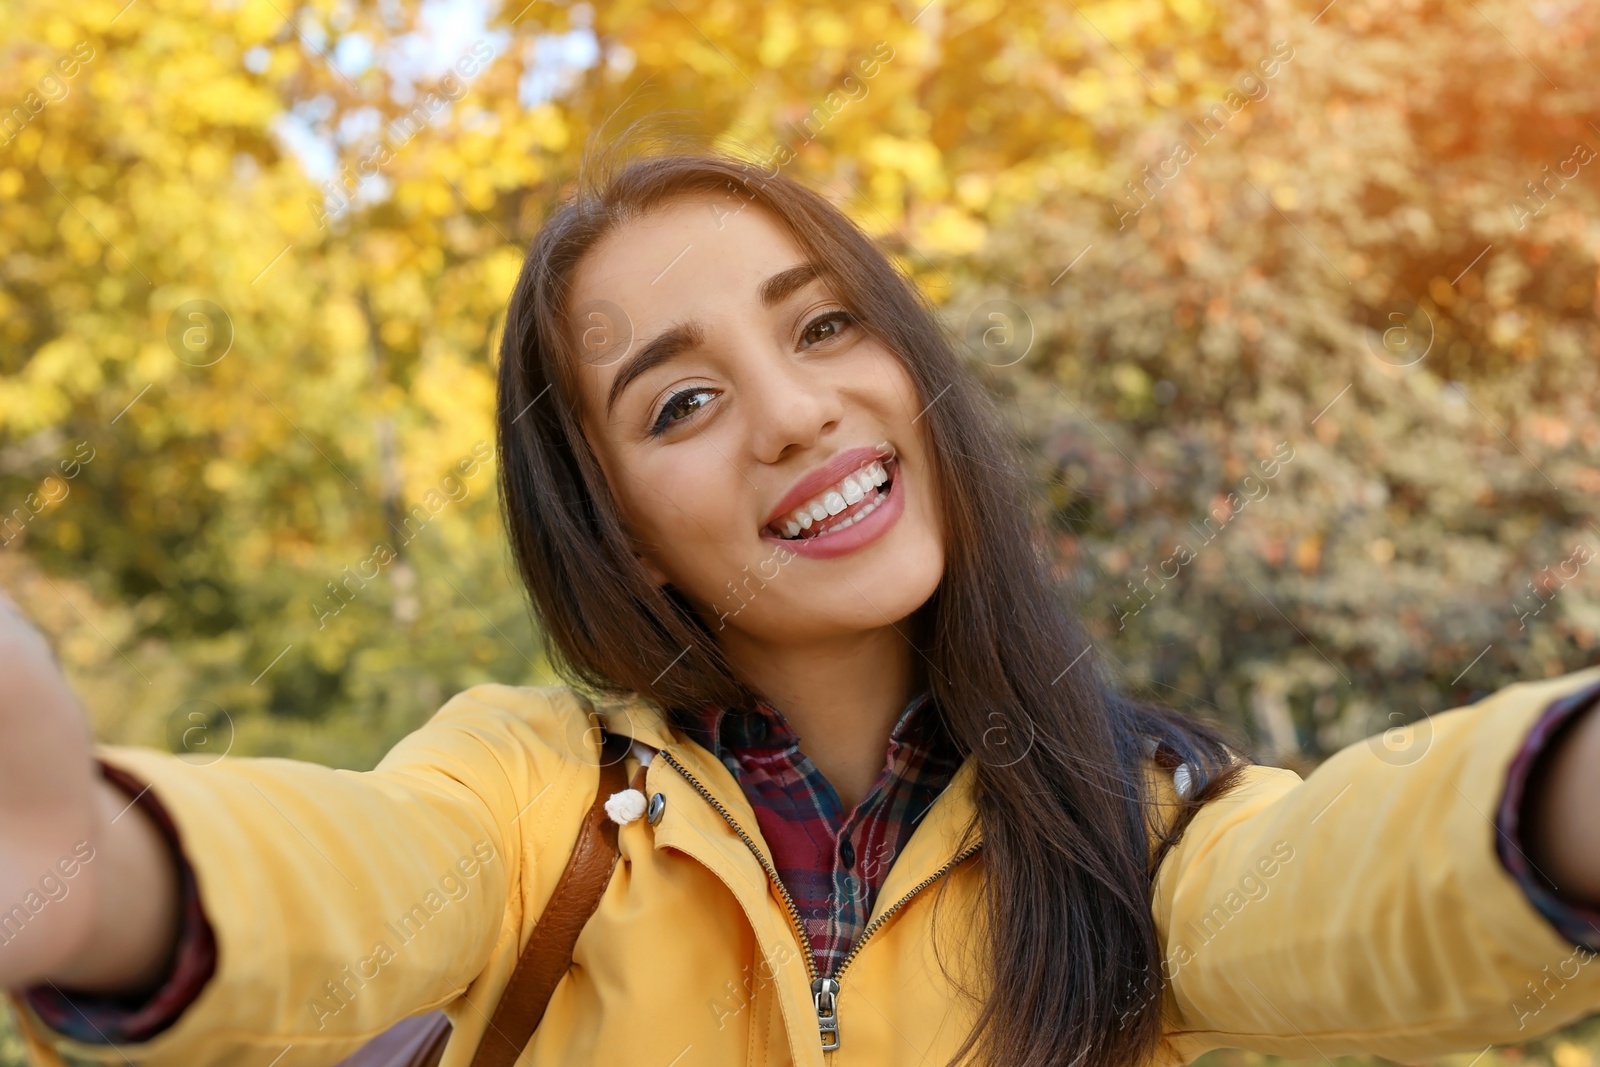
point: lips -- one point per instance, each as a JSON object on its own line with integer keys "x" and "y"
{"x": 824, "y": 477}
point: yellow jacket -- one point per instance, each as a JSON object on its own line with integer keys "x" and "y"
{"x": 1362, "y": 909}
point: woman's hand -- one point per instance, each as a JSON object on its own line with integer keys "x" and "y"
{"x": 88, "y": 889}
{"x": 1563, "y": 811}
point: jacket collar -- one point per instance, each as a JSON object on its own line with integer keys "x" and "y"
{"x": 699, "y": 820}
{"x": 634, "y": 717}
{"x": 934, "y": 842}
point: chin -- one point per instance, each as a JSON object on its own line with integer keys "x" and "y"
{"x": 827, "y": 600}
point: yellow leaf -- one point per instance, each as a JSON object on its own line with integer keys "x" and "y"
{"x": 257, "y": 21}
{"x": 953, "y": 231}
{"x": 779, "y": 40}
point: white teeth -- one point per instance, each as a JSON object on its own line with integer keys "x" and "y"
{"x": 852, "y": 520}
{"x": 851, "y": 490}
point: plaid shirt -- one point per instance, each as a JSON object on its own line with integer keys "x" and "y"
{"x": 832, "y": 864}
{"x": 831, "y": 861}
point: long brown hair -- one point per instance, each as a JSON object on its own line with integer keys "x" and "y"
{"x": 1066, "y": 860}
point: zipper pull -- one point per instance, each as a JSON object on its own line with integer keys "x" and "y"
{"x": 823, "y": 992}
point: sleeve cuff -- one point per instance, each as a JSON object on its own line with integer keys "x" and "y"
{"x": 1578, "y": 922}
{"x": 101, "y": 1019}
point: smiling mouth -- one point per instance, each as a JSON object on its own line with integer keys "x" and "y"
{"x": 841, "y": 505}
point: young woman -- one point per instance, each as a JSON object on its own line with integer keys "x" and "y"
{"x": 779, "y": 540}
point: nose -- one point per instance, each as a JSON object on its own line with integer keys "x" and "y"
{"x": 791, "y": 403}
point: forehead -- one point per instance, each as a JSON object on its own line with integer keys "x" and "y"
{"x": 684, "y": 259}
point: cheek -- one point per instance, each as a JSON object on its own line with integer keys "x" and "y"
{"x": 688, "y": 515}
{"x": 911, "y": 431}
{"x": 897, "y": 392}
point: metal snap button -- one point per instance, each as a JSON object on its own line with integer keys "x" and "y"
{"x": 658, "y": 804}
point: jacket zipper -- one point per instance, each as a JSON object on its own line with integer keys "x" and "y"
{"x": 824, "y": 990}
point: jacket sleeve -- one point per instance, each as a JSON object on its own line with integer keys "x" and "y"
{"x": 1365, "y": 908}
{"x": 343, "y": 901}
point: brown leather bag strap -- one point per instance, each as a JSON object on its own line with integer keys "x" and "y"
{"x": 548, "y": 954}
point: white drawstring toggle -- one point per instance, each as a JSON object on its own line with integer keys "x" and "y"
{"x": 625, "y": 807}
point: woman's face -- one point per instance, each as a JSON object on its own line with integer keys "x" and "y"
{"x": 767, "y": 454}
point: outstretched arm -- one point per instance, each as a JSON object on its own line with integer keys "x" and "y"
{"x": 340, "y": 901}
{"x": 1367, "y": 908}
{"x": 88, "y": 893}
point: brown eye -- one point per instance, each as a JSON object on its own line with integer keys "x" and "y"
{"x": 679, "y": 406}
{"x": 826, "y": 327}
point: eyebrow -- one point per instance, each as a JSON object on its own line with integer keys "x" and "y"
{"x": 675, "y": 340}
{"x": 785, "y": 283}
